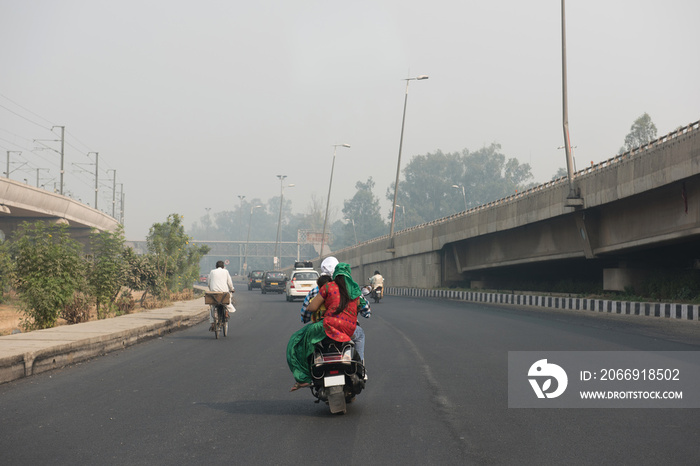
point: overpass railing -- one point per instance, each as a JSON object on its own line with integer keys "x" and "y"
{"x": 683, "y": 130}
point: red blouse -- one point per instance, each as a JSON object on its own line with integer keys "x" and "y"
{"x": 340, "y": 326}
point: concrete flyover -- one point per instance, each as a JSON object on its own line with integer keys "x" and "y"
{"x": 20, "y": 202}
{"x": 634, "y": 214}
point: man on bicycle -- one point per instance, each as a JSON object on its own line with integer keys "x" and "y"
{"x": 220, "y": 281}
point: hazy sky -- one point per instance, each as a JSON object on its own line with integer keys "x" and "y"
{"x": 196, "y": 103}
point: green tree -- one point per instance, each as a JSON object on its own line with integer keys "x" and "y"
{"x": 363, "y": 209}
{"x": 560, "y": 172}
{"x": 642, "y": 131}
{"x": 108, "y": 269}
{"x": 142, "y": 273}
{"x": 176, "y": 260}
{"x": 428, "y": 190}
{"x": 50, "y": 271}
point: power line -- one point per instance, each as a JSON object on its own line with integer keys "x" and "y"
{"x": 26, "y": 109}
{"x": 24, "y": 117}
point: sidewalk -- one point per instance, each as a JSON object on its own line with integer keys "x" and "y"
{"x": 25, "y": 354}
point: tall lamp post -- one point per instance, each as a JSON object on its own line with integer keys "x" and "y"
{"x": 574, "y": 198}
{"x": 353, "y": 228}
{"x": 250, "y": 221}
{"x": 328, "y": 200}
{"x": 398, "y": 164}
{"x": 464, "y": 196}
{"x": 403, "y": 214}
{"x": 279, "y": 221}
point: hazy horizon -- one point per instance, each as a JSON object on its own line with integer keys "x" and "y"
{"x": 194, "y": 105}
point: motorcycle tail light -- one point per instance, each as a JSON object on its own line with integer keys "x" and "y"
{"x": 347, "y": 354}
{"x": 334, "y": 372}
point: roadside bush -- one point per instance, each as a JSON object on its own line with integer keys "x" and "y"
{"x": 151, "y": 303}
{"x": 108, "y": 268}
{"x": 125, "y": 303}
{"x": 184, "y": 295}
{"x": 49, "y": 271}
{"x": 6, "y": 270}
{"x": 78, "y": 310}
{"x": 672, "y": 286}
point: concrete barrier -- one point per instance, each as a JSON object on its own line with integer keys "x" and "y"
{"x": 686, "y": 312}
{"x": 26, "y": 354}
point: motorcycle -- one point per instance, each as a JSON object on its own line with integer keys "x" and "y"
{"x": 338, "y": 374}
{"x": 376, "y": 293}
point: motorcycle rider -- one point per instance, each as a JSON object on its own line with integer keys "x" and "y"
{"x": 377, "y": 281}
{"x": 220, "y": 281}
{"x": 341, "y": 298}
{"x": 327, "y": 269}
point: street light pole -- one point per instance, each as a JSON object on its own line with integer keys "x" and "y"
{"x": 279, "y": 221}
{"x": 403, "y": 214}
{"x": 353, "y": 228}
{"x": 565, "y": 117}
{"x": 250, "y": 221}
{"x": 464, "y": 196}
{"x": 328, "y": 200}
{"x": 398, "y": 164}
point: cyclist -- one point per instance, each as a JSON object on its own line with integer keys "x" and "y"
{"x": 220, "y": 280}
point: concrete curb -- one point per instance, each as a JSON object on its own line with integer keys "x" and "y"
{"x": 689, "y": 312}
{"x": 26, "y": 354}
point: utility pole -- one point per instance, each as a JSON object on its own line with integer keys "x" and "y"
{"x": 8, "y": 162}
{"x": 114, "y": 189}
{"x": 37, "y": 175}
{"x": 63, "y": 139}
{"x": 121, "y": 203}
{"x": 97, "y": 171}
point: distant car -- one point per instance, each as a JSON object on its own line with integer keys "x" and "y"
{"x": 255, "y": 279}
{"x": 300, "y": 283}
{"x": 203, "y": 279}
{"x": 273, "y": 281}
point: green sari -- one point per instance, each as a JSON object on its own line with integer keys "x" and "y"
{"x": 301, "y": 347}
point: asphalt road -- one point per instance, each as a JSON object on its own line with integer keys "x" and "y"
{"x": 437, "y": 394}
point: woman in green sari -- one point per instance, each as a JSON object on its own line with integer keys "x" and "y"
{"x": 341, "y": 298}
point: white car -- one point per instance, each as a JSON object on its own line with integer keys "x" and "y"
{"x": 300, "y": 283}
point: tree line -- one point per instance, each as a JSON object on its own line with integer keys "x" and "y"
{"x": 425, "y": 194}
{"x": 54, "y": 276}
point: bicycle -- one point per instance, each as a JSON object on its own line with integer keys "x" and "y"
{"x": 219, "y": 300}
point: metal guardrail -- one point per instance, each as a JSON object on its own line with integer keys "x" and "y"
{"x": 550, "y": 184}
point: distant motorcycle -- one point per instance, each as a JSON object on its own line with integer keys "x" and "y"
{"x": 377, "y": 293}
{"x": 338, "y": 374}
